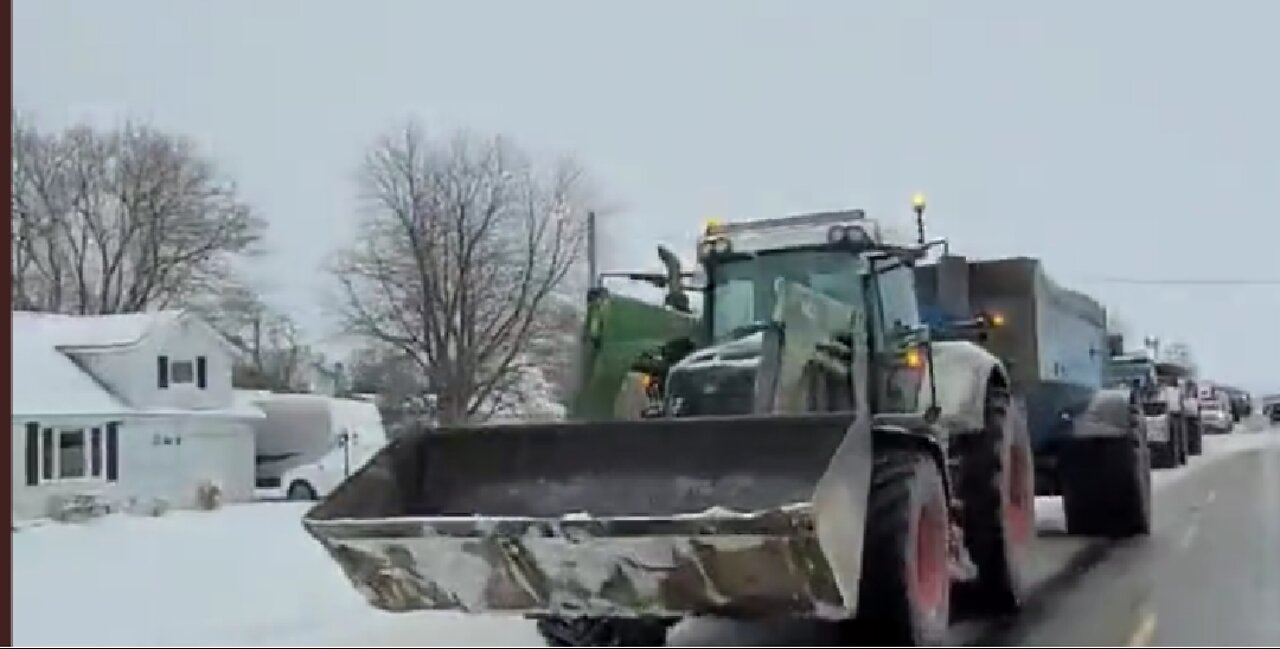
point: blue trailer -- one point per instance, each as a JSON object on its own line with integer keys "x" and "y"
{"x": 1089, "y": 440}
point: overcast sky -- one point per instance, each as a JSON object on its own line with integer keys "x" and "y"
{"x": 1113, "y": 139}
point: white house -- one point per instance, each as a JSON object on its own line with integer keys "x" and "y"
{"x": 125, "y": 405}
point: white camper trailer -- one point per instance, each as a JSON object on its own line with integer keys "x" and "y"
{"x": 308, "y": 443}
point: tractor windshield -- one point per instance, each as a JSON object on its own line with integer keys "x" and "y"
{"x": 1123, "y": 373}
{"x": 741, "y": 294}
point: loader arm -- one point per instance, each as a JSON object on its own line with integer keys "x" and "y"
{"x": 618, "y": 333}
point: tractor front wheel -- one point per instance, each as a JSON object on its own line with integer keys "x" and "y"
{"x": 997, "y": 492}
{"x": 904, "y": 597}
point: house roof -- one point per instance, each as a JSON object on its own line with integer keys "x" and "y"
{"x": 45, "y": 380}
{"x": 116, "y": 330}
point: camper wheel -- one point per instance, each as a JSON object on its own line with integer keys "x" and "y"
{"x": 300, "y": 490}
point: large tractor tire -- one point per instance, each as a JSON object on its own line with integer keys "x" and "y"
{"x": 1180, "y": 445}
{"x": 996, "y": 484}
{"x": 1195, "y": 437}
{"x": 603, "y": 632}
{"x": 904, "y": 596}
{"x": 1165, "y": 455}
{"x": 1106, "y": 486}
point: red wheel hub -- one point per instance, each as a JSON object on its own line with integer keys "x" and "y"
{"x": 1018, "y": 497}
{"x": 932, "y": 579}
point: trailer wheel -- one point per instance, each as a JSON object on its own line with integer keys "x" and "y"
{"x": 603, "y": 631}
{"x": 1106, "y": 486}
{"x": 1178, "y": 437}
{"x": 1164, "y": 455}
{"x": 904, "y": 596}
{"x": 300, "y": 490}
{"x": 1195, "y": 441}
{"x": 997, "y": 492}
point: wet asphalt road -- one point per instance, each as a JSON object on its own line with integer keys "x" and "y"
{"x": 1208, "y": 575}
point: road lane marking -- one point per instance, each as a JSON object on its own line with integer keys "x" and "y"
{"x": 1189, "y": 536}
{"x": 1212, "y": 496}
{"x": 1145, "y": 631}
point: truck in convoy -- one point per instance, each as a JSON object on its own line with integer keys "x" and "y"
{"x": 1241, "y": 402}
{"x": 1089, "y": 439}
{"x": 815, "y": 452}
{"x": 1180, "y": 389}
{"x": 1137, "y": 371}
{"x": 1215, "y": 409}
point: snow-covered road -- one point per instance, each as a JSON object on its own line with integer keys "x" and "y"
{"x": 249, "y": 575}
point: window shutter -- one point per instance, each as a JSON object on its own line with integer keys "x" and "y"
{"x": 50, "y": 452}
{"x": 33, "y": 453}
{"x": 95, "y": 453}
{"x": 162, "y": 372}
{"x": 202, "y": 372}
{"x": 113, "y": 451}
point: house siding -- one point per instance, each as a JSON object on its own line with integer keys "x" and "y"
{"x": 159, "y": 457}
{"x": 131, "y": 372}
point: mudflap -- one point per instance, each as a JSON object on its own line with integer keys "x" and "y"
{"x": 738, "y": 516}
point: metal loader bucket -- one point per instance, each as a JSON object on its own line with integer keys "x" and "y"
{"x": 652, "y": 517}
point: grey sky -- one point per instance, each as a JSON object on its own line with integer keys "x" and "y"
{"x": 1060, "y": 130}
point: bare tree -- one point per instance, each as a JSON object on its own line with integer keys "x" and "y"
{"x": 274, "y": 355}
{"x": 119, "y": 221}
{"x": 461, "y": 243}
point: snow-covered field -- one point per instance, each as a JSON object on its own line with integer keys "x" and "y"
{"x": 249, "y": 575}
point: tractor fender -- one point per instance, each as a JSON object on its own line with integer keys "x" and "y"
{"x": 961, "y": 373}
{"x": 1108, "y": 414}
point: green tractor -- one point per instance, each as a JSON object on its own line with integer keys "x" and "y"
{"x": 805, "y": 450}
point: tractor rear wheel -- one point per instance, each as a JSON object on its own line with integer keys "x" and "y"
{"x": 1106, "y": 486}
{"x": 904, "y": 596}
{"x": 997, "y": 492}
{"x": 1195, "y": 441}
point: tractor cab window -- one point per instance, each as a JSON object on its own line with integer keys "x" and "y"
{"x": 897, "y": 304}
{"x": 741, "y": 291}
{"x": 1122, "y": 373}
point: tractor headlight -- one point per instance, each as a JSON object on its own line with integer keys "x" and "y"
{"x": 848, "y": 233}
{"x": 714, "y": 246}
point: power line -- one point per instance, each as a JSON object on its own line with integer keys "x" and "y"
{"x": 1185, "y": 281}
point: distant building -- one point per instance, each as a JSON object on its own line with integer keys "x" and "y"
{"x": 125, "y": 405}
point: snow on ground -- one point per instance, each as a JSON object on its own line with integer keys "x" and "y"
{"x": 245, "y": 575}
{"x": 250, "y": 575}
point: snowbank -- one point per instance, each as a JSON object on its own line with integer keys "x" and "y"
{"x": 244, "y": 575}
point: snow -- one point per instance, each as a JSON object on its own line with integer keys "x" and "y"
{"x": 93, "y": 330}
{"x": 243, "y": 575}
{"x": 47, "y": 382}
{"x": 534, "y": 400}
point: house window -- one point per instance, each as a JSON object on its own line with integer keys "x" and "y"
{"x": 172, "y": 372}
{"x": 71, "y": 454}
{"x": 182, "y": 372}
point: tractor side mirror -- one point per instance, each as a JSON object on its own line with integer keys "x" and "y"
{"x": 676, "y": 298}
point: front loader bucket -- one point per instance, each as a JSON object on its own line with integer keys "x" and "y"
{"x": 653, "y": 517}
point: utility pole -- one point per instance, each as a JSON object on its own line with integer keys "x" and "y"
{"x": 593, "y": 268}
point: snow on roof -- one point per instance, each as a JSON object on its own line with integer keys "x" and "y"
{"x": 95, "y": 330}
{"x": 46, "y": 381}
